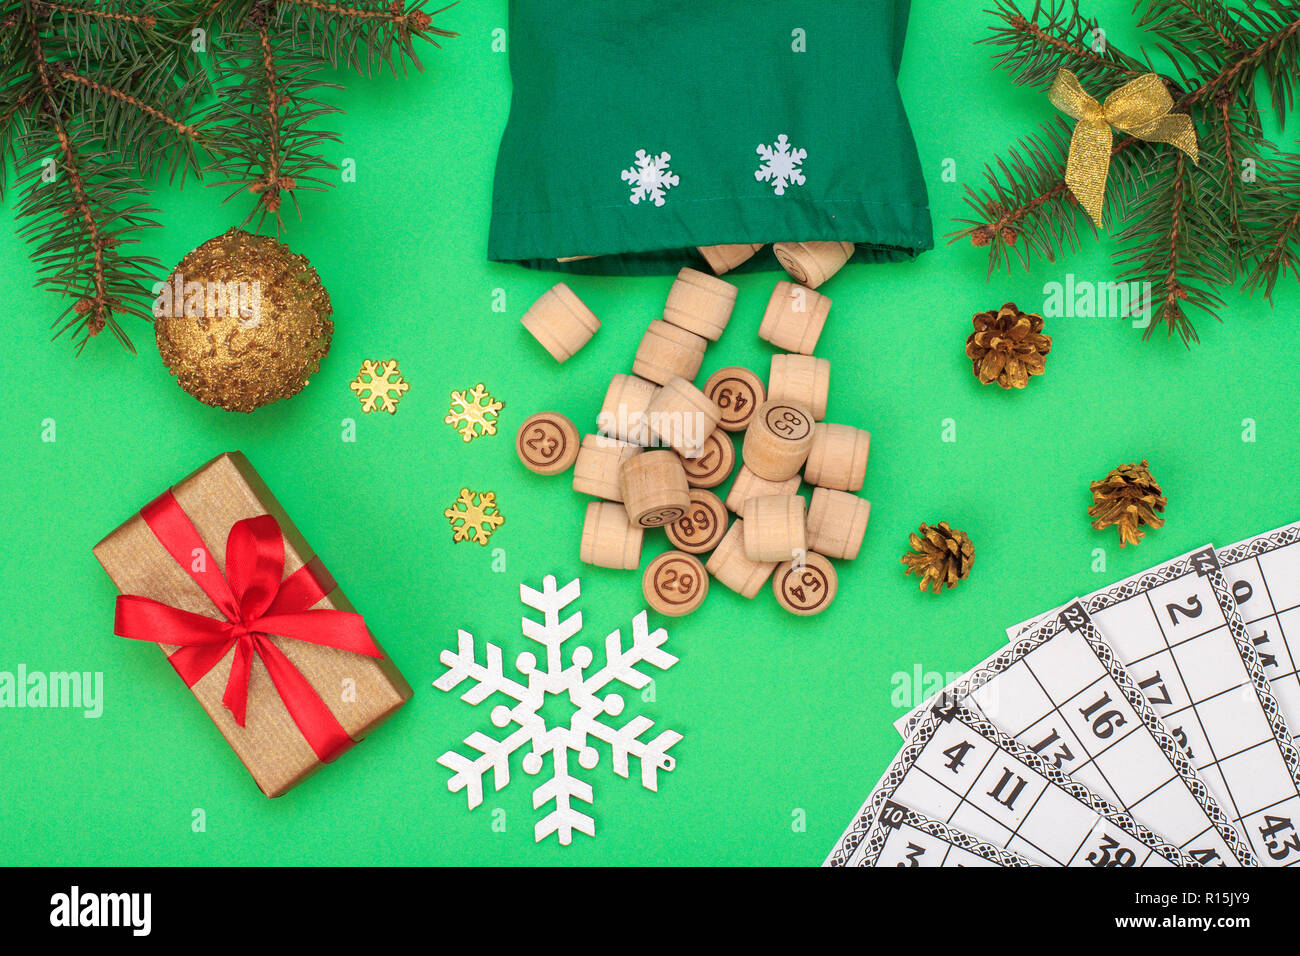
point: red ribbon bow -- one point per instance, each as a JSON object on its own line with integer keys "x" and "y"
{"x": 256, "y": 600}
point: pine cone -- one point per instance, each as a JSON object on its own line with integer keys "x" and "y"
{"x": 1008, "y": 346}
{"x": 940, "y": 555}
{"x": 1128, "y": 497}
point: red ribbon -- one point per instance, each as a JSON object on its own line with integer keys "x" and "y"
{"x": 256, "y": 600}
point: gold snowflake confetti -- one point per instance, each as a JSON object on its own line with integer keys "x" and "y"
{"x": 475, "y": 417}
{"x": 471, "y": 521}
{"x": 383, "y": 390}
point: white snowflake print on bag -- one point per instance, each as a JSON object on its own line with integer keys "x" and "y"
{"x": 650, "y": 177}
{"x": 780, "y": 164}
{"x": 588, "y": 696}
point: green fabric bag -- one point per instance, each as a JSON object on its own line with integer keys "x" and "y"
{"x": 642, "y": 129}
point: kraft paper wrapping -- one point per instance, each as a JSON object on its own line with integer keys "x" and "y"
{"x": 270, "y": 745}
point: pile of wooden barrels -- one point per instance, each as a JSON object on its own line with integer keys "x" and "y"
{"x": 661, "y": 443}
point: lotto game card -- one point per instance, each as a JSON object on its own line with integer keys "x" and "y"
{"x": 1264, "y": 574}
{"x": 1060, "y": 691}
{"x": 902, "y": 837}
{"x": 959, "y": 769}
{"x": 1177, "y": 629}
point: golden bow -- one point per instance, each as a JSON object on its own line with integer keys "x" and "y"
{"x": 1140, "y": 108}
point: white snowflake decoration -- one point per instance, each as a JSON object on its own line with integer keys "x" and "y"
{"x": 650, "y": 177}
{"x": 780, "y": 164}
{"x": 530, "y": 726}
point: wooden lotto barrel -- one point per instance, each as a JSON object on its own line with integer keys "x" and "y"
{"x": 778, "y": 440}
{"x": 609, "y": 540}
{"x": 675, "y": 583}
{"x": 703, "y": 525}
{"x": 837, "y": 523}
{"x": 732, "y": 568}
{"x": 812, "y": 263}
{"x": 599, "y": 462}
{"x": 625, "y": 412}
{"x": 737, "y": 392}
{"x": 654, "y": 487}
{"x": 714, "y": 464}
{"x": 774, "y": 528}
{"x": 682, "y": 417}
{"x": 724, "y": 258}
{"x": 748, "y": 485}
{"x": 805, "y": 587}
{"x": 700, "y": 303}
{"x": 794, "y": 318}
{"x": 561, "y": 322}
{"x": 547, "y": 443}
{"x": 667, "y": 352}
{"x": 803, "y": 380}
{"x": 838, "y": 457}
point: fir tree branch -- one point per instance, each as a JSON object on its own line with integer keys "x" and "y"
{"x": 1217, "y": 56}
{"x": 1172, "y": 239}
{"x": 266, "y": 141}
{"x": 96, "y": 94}
{"x": 21, "y": 103}
{"x": 1275, "y": 223}
{"x": 413, "y": 20}
{"x": 1035, "y": 52}
{"x": 84, "y": 225}
{"x": 148, "y": 111}
{"x": 1199, "y": 22}
{"x": 270, "y": 184}
{"x": 1224, "y": 77}
{"x": 97, "y": 310}
{"x": 104, "y": 34}
{"x": 1242, "y": 70}
{"x": 10, "y": 123}
{"x": 1277, "y": 256}
{"x": 103, "y": 89}
{"x": 364, "y": 34}
{"x": 69, "y": 9}
{"x": 1174, "y": 290}
{"x": 1232, "y": 139}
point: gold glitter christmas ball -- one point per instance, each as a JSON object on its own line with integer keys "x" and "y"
{"x": 243, "y": 322}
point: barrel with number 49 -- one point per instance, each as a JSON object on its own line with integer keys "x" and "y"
{"x": 737, "y": 392}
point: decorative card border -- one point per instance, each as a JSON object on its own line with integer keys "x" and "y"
{"x": 925, "y": 729}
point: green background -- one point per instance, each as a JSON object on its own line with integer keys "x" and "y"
{"x": 787, "y": 722}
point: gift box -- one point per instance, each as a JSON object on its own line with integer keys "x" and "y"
{"x": 645, "y": 129}
{"x": 216, "y": 574}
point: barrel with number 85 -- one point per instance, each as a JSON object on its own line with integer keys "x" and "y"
{"x": 778, "y": 440}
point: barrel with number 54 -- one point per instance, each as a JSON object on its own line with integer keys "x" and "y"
{"x": 806, "y": 586}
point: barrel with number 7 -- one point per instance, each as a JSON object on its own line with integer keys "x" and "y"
{"x": 715, "y": 463}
